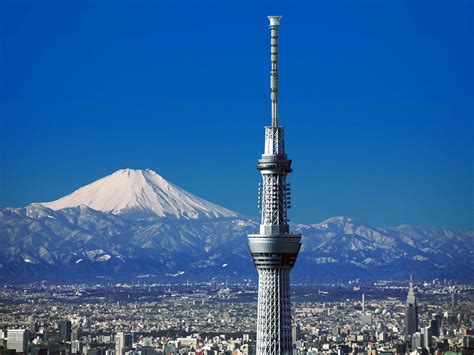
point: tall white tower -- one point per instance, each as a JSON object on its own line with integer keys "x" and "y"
{"x": 274, "y": 249}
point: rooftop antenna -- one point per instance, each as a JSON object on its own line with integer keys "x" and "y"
{"x": 274, "y": 24}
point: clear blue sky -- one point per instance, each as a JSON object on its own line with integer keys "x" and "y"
{"x": 376, "y": 97}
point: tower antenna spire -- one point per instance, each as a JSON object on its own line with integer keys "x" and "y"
{"x": 274, "y": 249}
{"x": 274, "y": 24}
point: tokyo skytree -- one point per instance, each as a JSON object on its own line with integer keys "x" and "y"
{"x": 274, "y": 249}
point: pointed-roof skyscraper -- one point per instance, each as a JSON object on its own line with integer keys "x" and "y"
{"x": 411, "y": 312}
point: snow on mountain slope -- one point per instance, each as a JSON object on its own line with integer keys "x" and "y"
{"x": 38, "y": 243}
{"x": 140, "y": 193}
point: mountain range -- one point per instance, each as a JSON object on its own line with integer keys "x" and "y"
{"x": 135, "y": 224}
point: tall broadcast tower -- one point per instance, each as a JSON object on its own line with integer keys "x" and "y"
{"x": 274, "y": 249}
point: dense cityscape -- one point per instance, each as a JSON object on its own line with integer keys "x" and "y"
{"x": 217, "y": 318}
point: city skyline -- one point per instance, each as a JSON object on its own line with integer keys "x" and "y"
{"x": 211, "y": 318}
{"x": 380, "y": 104}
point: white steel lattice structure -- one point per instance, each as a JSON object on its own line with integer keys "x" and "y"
{"x": 274, "y": 249}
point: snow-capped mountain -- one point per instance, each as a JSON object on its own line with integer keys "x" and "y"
{"x": 80, "y": 243}
{"x": 140, "y": 193}
{"x": 359, "y": 250}
{"x": 99, "y": 232}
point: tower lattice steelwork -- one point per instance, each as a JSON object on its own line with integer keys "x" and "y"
{"x": 274, "y": 249}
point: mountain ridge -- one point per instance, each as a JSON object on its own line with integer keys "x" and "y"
{"x": 182, "y": 237}
{"x": 80, "y": 243}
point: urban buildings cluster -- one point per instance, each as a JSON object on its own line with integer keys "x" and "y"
{"x": 141, "y": 319}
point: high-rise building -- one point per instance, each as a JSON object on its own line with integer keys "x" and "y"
{"x": 295, "y": 332}
{"x": 468, "y": 344}
{"x": 411, "y": 312}
{"x": 76, "y": 347}
{"x": 123, "y": 341}
{"x": 417, "y": 340}
{"x": 436, "y": 320}
{"x": 453, "y": 299}
{"x": 274, "y": 249}
{"x": 427, "y": 338}
{"x": 65, "y": 330}
{"x": 76, "y": 334}
{"x": 17, "y": 339}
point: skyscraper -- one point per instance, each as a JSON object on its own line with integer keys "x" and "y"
{"x": 122, "y": 342}
{"x": 411, "y": 312}
{"x": 453, "y": 299}
{"x": 65, "y": 330}
{"x": 76, "y": 347}
{"x": 436, "y": 320}
{"x": 427, "y": 338}
{"x": 76, "y": 334}
{"x": 17, "y": 339}
{"x": 274, "y": 249}
{"x": 417, "y": 341}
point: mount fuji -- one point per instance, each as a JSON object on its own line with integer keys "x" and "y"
{"x": 135, "y": 224}
{"x": 140, "y": 193}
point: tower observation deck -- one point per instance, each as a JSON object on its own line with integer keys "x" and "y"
{"x": 274, "y": 249}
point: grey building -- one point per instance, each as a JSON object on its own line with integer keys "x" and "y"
{"x": 436, "y": 320}
{"x": 65, "y": 329}
{"x": 17, "y": 339}
{"x": 427, "y": 338}
{"x": 411, "y": 313}
{"x": 123, "y": 342}
{"x": 76, "y": 347}
{"x": 417, "y": 340}
{"x": 76, "y": 334}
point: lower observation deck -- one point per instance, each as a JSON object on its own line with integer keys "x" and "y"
{"x": 275, "y": 251}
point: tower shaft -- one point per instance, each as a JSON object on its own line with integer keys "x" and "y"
{"x": 274, "y": 311}
{"x": 274, "y": 249}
